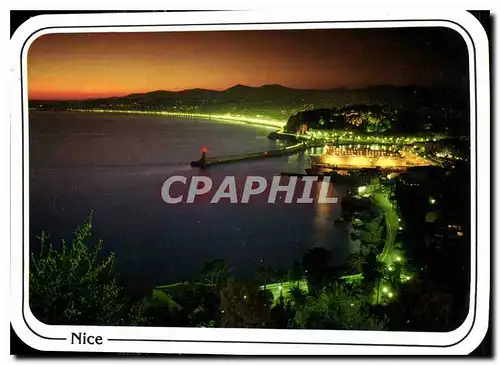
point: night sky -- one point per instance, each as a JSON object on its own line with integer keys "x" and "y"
{"x": 79, "y": 66}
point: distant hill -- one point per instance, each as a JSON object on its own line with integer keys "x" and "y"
{"x": 276, "y": 94}
{"x": 380, "y": 108}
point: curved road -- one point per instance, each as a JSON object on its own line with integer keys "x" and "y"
{"x": 387, "y": 255}
{"x": 392, "y": 224}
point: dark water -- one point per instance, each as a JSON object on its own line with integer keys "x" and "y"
{"x": 116, "y": 164}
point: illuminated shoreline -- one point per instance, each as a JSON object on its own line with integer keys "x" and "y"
{"x": 221, "y": 117}
{"x": 332, "y": 136}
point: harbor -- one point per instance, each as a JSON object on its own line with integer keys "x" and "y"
{"x": 299, "y": 144}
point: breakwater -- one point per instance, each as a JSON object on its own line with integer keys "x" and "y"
{"x": 204, "y": 162}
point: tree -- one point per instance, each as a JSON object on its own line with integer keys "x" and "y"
{"x": 216, "y": 273}
{"x": 371, "y": 233}
{"x": 295, "y": 274}
{"x": 281, "y": 315}
{"x": 393, "y": 276}
{"x": 73, "y": 285}
{"x": 297, "y": 296}
{"x": 203, "y": 307}
{"x": 165, "y": 310}
{"x": 316, "y": 264}
{"x": 264, "y": 274}
{"x": 353, "y": 261}
{"x": 373, "y": 273}
{"x": 244, "y": 305}
{"x": 422, "y": 307}
{"x": 336, "y": 308}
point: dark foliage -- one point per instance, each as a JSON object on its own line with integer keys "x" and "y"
{"x": 74, "y": 285}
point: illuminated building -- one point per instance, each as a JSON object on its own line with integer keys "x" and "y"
{"x": 370, "y": 156}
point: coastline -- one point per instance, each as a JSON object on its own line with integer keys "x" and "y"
{"x": 270, "y": 123}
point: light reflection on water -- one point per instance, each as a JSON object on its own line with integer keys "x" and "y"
{"x": 323, "y": 222}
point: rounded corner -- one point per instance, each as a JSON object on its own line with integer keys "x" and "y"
{"x": 29, "y": 27}
{"x": 479, "y": 337}
{"x": 472, "y": 331}
{"x": 476, "y": 29}
{"x": 472, "y": 27}
{"x": 28, "y": 315}
{"x": 25, "y": 334}
{"x": 473, "y": 338}
{"x": 28, "y": 32}
{"x": 21, "y": 337}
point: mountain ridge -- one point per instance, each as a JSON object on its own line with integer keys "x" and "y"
{"x": 242, "y": 89}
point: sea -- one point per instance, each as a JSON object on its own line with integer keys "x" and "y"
{"x": 115, "y": 166}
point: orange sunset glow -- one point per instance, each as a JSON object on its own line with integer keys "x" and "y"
{"x": 91, "y": 65}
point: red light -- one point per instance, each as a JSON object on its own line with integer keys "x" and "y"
{"x": 204, "y": 150}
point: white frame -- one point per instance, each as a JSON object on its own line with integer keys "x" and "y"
{"x": 255, "y": 341}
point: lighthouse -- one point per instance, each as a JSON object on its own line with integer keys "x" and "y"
{"x": 203, "y": 158}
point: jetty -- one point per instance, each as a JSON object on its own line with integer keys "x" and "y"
{"x": 205, "y": 161}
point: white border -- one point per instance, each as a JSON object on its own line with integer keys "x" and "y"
{"x": 460, "y": 341}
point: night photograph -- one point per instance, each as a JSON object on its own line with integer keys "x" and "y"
{"x": 278, "y": 179}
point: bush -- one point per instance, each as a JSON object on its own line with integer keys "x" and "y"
{"x": 336, "y": 308}
{"x": 73, "y": 285}
{"x": 244, "y": 305}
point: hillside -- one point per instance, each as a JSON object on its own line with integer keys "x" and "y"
{"x": 443, "y": 106}
{"x": 395, "y": 96}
